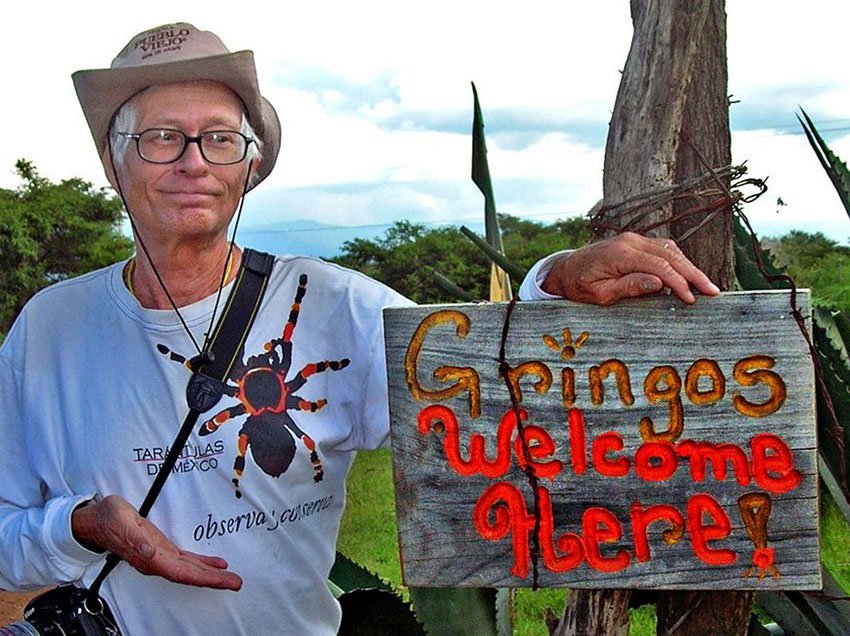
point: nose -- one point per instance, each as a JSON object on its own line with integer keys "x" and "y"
{"x": 192, "y": 161}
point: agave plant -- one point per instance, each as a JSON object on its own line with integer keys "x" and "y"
{"x": 827, "y": 612}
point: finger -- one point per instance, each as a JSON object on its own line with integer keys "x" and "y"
{"x": 212, "y": 561}
{"x": 667, "y": 249}
{"x": 192, "y": 569}
{"x": 629, "y": 286}
{"x": 663, "y": 258}
{"x": 189, "y": 568}
{"x": 672, "y": 278}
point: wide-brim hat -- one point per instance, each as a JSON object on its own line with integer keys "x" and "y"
{"x": 177, "y": 53}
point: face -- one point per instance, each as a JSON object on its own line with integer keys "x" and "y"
{"x": 188, "y": 199}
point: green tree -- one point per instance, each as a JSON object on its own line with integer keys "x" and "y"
{"x": 52, "y": 231}
{"x": 408, "y": 254}
{"x": 818, "y": 262}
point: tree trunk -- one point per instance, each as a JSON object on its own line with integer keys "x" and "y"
{"x": 696, "y": 613}
{"x": 595, "y": 613}
{"x": 670, "y": 119}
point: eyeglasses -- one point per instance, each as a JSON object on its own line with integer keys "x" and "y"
{"x": 166, "y": 145}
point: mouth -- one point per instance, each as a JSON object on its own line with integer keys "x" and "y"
{"x": 191, "y": 196}
{"x": 189, "y": 193}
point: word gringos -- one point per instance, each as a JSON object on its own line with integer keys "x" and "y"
{"x": 649, "y": 444}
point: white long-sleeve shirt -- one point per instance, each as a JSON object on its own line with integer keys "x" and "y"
{"x": 90, "y": 405}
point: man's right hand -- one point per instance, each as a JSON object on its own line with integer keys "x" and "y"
{"x": 626, "y": 266}
{"x": 113, "y": 525}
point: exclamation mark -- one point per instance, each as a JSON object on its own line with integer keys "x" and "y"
{"x": 755, "y": 510}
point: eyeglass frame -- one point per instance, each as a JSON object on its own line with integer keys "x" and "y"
{"x": 188, "y": 139}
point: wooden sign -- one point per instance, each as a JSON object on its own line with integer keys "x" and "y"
{"x": 649, "y": 444}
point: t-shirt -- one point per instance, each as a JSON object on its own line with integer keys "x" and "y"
{"x": 93, "y": 392}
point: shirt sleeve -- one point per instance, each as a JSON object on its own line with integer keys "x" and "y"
{"x": 39, "y": 548}
{"x": 35, "y": 531}
{"x": 531, "y": 289}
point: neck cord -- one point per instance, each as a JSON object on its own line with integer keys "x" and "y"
{"x": 130, "y": 269}
{"x": 138, "y": 236}
{"x": 229, "y": 260}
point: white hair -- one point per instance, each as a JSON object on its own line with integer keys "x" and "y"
{"x": 127, "y": 117}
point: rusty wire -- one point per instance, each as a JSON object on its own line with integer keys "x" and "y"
{"x": 836, "y": 430}
{"x": 528, "y": 469}
{"x": 701, "y": 187}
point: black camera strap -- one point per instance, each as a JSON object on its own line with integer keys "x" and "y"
{"x": 210, "y": 370}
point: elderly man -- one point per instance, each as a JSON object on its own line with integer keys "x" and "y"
{"x": 92, "y": 396}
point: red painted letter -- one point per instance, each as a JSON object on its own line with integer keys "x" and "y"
{"x": 504, "y": 502}
{"x": 701, "y": 532}
{"x": 578, "y": 441}
{"x": 599, "y": 525}
{"x": 772, "y": 455}
{"x": 663, "y": 469}
{"x": 642, "y": 517}
{"x": 567, "y": 552}
{"x": 602, "y": 445}
{"x": 539, "y": 444}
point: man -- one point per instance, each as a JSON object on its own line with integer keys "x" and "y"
{"x": 92, "y": 396}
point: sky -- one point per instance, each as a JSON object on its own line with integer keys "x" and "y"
{"x": 376, "y": 104}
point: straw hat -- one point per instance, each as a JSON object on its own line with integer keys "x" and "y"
{"x": 177, "y": 53}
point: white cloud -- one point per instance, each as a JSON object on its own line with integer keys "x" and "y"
{"x": 809, "y": 201}
{"x": 376, "y": 103}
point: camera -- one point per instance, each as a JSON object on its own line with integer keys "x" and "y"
{"x": 66, "y": 610}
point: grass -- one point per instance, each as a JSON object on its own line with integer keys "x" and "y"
{"x": 835, "y": 541}
{"x": 368, "y": 535}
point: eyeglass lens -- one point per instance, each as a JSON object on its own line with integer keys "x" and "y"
{"x": 162, "y": 145}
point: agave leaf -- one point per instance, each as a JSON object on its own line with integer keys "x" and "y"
{"x": 347, "y": 575}
{"x": 453, "y": 611}
{"x": 494, "y": 255}
{"x": 834, "y": 326}
{"x": 836, "y": 375}
{"x": 842, "y": 326}
{"x": 746, "y": 263}
{"x": 834, "y": 488}
{"x": 505, "y": 610}
{"x": 377, "y": 613}
{"x": 370, "y": 605}
{"x": 451, "y": 287}
{"x": 835, "y": 168}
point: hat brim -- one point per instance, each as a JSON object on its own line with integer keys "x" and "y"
{"x": 103, "y": 91}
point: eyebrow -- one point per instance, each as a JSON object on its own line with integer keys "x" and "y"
{"x": 215, "y": 123}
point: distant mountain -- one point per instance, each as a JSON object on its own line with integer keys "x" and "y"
{"x": 305, "y": 237}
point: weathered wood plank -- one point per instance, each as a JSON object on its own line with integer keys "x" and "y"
{"x": 751, "y": 398}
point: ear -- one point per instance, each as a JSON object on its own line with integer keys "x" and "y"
{"x": 106, "y": 162}
{"x": 252, "y": 172}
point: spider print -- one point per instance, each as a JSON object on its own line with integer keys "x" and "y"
{"x": 266, "y": 396}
